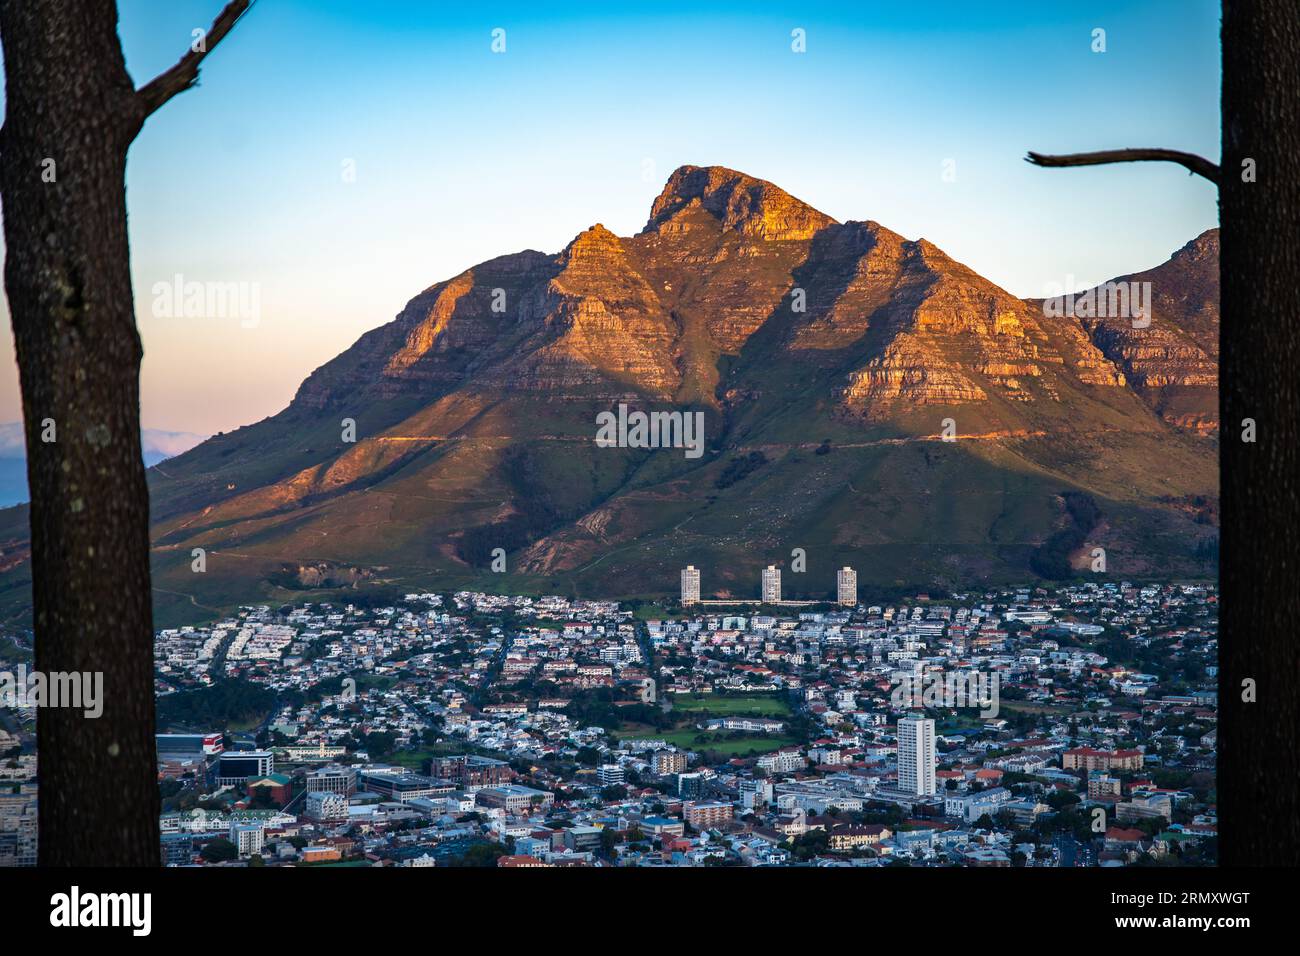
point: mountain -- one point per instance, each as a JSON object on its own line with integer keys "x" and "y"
{"x": 828, "y": 360}
{"x": 1173, "y": 365}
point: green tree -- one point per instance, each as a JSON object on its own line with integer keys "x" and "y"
{"x": 219, "y": 850}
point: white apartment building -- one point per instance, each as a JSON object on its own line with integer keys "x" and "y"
{"x": 786, "y": 760}
{"x": 333, "y": 779}
{"x": 916, "y": 755}
{"x": 771, "y": 584}
{"x": 324, "y": 806}
{"x": 971, "y": 806}
{"x": 690, "y": 584}
{"x": 247, "y": 838}
{"x": 846, "y": 587}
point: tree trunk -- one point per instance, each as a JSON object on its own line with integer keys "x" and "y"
{"x": 69, "y": 100}
{"x": 1259, "y": 769}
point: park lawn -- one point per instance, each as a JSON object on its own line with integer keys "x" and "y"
{"x": 415, "y": 758}
{"x": 654, "y": 612}
{"x": 962, "y": 723}
{"x": 747, "y": 746}
{"x": 246, "y": 724}
{"x": 411, "y": 759}
{"x": 763, "y": 704}
{"x": 685, "y": 738}
{"x": 1030, "y": 707}
{"x": 691, "y": 709}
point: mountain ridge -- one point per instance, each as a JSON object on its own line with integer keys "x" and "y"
{"x": 790, "y": 332}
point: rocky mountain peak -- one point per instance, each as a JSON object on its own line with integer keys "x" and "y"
{"x": 1204, "y": 246}
{"x": 753, "y": 207}
{"x": 592, "y": 239}
{"x": 594, "y": 249}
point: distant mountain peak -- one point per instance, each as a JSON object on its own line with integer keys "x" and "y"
{"x": 593, "y": 241}
{"x": 754, "y": 207}
{"x": 1206, "y": 245}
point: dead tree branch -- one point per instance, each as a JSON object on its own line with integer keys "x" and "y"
{"x": 1197, "y": 164}
{"x": 185, "y": 73}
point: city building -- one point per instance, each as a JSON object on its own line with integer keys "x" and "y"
{"x": 582, "y": 839}
{"x": 1145, "y": 806}
{"x": 320, "y": 751}
{"x": 610, "y": 775}
{"x": 771, "y": 584}
{"x": 404, "y": 786}
{"x": 324, "y": 807}
{"x": 701, "y": 816}
{"x": 690, "y": 585}
{"x": 850, "y": 836}
{"x": 170, "y": 745}
{"x": 276, "y": 787}
{"x": 846, "y": 587}
{"x": 514, "y": 798}
{"x": 18, "y": 829}
{"x": 1023, "y": 813}
{"x": 1085, "y": 758}
{"x": 247, "y": 837}
{"x": 755, "y": 793}
{"x": 177, "y": 849}
{"x": 916, "y": 755}
{"x": 471, "y": 770}
{"x": 333, "y": 779}
{"x": 1102, "y": 785}
{"x": 760, "y": 725}
{"x": 690, "y": 785}
{"x": 660, "y": 827}
{"x": 665, "y": 762}
{"x": 321, "y": 854}
{"x": 785, "y": 760}
{"x": 236, "y": 766}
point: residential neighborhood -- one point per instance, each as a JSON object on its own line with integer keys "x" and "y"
{"x": 470, "y": 729}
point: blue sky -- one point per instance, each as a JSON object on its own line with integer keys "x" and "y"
{"x": 461, "y": 154}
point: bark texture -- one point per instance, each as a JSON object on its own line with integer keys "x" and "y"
{"x": 69, "y": 99}
{"x": 1259, "y": 770}
{"x": 71, "y": 114}
{"x": 1259, "y": 214}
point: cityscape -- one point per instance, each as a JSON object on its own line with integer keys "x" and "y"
{"x": 517, "y": 463}
{"x": 471, "y": 729}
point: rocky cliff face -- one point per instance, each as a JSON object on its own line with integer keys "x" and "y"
{"x": 1173, "y": 363}
{"x": 724, "y": 256}
{"x": 751, "y": 207}
{"x": 950, "y": 337}
{"x": 787, "y": 330}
